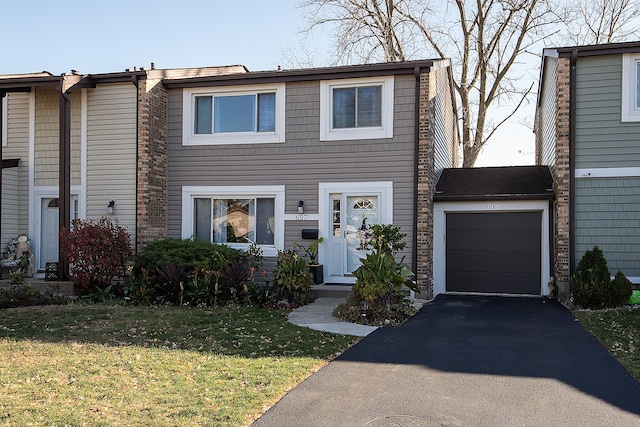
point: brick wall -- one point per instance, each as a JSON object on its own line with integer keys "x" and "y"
{"x": 561, "y": 172}
{"x": 152, "y": 162}
{"x": 425, "y": 176}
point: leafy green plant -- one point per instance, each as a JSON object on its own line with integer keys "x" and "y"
{"x": 98, "y": 250}
{"x": 293, "y": 278}
{"x": 380, "y": 290}
{"x": 311, "y": 251}
{"x": 17, "y": 277}
{"x": 24, "y": 294}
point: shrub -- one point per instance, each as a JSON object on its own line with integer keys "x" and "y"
{"x": 189, "y": 254}
{"x": 591, "y": 284}
{"x": 24, "y": 294}
{"x": 293, "y": 278}
{"x": 98, "y": 251}
{"x": 621, "y": 289}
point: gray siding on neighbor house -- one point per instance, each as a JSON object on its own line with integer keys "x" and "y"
{"x": 548, "y": 113}
{"x": 601, "y": 139}
{"x": 608, "y": 215}
{"x": 302, "y": 161}
{"x": 444, "y": 126}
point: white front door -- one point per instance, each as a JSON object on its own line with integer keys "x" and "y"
{"x": 48, "y": 232}
{"x": 346, "y": 218}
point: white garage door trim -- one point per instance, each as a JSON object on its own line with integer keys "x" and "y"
{"x": 440, "y": 211}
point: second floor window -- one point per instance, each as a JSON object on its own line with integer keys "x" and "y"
{"x": 234, "y": 115}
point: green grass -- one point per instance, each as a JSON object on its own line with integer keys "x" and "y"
{"x": 162, "y": 366}
{"x": 619, "y": 331}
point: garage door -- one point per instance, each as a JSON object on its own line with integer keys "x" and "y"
{"x": 494, "y": 252}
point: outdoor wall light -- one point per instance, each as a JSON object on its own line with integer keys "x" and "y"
{"x": 301, "y": 206}
{"x": 110, "y": 206}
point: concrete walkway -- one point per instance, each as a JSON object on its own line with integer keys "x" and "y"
{"x": 317, "y": 316}
{"x": 468, "y": 361}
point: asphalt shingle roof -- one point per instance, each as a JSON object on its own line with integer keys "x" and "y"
{"x": 508, "y": 182}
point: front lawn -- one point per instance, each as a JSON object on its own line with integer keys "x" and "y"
{"x": 162, "y": 366}
{"x": 619, "y": 331}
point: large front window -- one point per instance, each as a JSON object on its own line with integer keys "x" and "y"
{"x": 235, "y": 216}
{"x": 238, "y": 115}
{"x": 235, "y": 220}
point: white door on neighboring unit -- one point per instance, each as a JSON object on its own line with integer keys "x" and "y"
{"x": 48, "y": 232}
{"x": 346, "y": 218}
{"x": 49, "y": 226}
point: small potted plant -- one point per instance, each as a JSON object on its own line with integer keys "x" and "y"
{"x": 317, "y": 269}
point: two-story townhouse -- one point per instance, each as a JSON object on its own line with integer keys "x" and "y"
{"x": 588, "y": 132}
{"x": 279, "y": 157}
{"x": 72, "y": 145}
{"x": 233, "y": 157}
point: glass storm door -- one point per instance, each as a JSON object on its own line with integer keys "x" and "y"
{"x": 351, "y": 219}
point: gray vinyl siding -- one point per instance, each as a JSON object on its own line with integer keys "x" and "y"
{"x": 111, "y": 153}
{"x": 608, "y": 215}
{"x": 444, "y": 126}
{"x": 302, "y": 161}
{"x": 15, "y": 191}
{"x": 548, "y": 112}
{"x": 602, "y": 140}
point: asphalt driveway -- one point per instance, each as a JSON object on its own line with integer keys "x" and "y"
{"x": 469, "y": 361}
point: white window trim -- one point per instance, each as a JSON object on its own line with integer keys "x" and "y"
{"x": 189, "y": 193}
{"x": 189, "y": 137}
{"x": 630, "y": 112}
{"x": 327, "y": 133}
{"x": 5, "y": 120}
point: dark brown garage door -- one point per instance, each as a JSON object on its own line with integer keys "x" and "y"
{"x": 494, "y": 252}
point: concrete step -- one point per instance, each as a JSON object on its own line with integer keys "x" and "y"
{"x": 331, "y": 290}
{"x": 65, "y": 288}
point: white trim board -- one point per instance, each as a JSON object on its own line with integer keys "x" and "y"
{"x": 440, "y": 211}
{"x": 607, "y": 172}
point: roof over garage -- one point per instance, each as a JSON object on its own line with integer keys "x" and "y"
{"x": 495, "y": 183}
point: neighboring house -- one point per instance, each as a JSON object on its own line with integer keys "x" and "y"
{"x": 232, "y": 156}
{"x": 588, "y": 133}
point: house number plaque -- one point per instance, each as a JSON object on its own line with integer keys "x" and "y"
{"x": 492, "y": 206}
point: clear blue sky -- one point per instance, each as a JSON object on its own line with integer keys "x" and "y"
{"x": 112, "y": 35}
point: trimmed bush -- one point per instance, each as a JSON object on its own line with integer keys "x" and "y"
{"x": 621, "y": 289}
{"x": 188, "y": 254}
{"x": 591, "y": 284}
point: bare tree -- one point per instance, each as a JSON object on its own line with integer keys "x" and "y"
{"x": 603, "y": 21}
{"x": 483, "y": 38}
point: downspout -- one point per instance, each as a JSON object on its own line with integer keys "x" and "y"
{"x": 572, "y": 159}
{"x": 134, "y": 80}
{"x": 416, "y": 156}
{"x": 64, "y": 173}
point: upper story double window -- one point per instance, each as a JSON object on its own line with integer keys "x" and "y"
{"x": 631, "y": 88}
{"x": 356, "y": 108}
{"x": 238, "y": 115}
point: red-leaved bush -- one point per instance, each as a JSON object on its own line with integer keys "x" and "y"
{"x": 98, "y": 251}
